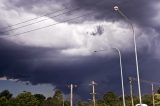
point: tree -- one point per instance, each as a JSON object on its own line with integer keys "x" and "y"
{"x": 58, "y": 98}
{"x": 13, "y": 102}
{"x": 111, "y": 99}
{"x": 3, "y": 101}
{"x": 127, "y": 100}
{"x": 58, "y": 95}
{"x": 80, "y": 103}
{"x": 147, "y": 99}
{"x": 66, "y": 103}
{"x": 26, "y": 99}
{"x": 41, "y": 98}
{"x": 48, "y": 102}
{"x": 157, "y": 99}
{"x": 6, "y": 94}
{"x": 100, "y": 103}
{"x": 158, "y": 91}
{"x": 49, "y": 98}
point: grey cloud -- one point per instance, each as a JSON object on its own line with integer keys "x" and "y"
{"x": 141, "y": 12}
{"x": 99, "y": 30}
{"x": 30, "y": 64}
{"x": 35, "y": 65}
{"x": 2, "y": 29}
{"x": 39, "y": 6}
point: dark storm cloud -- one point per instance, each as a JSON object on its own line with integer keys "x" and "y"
{"x": 3, "y": 28}
{"x": 29, "y": 4}
{"x": 47, "y": 5}
{"x": 140, "y": 12}
{"x": 16, "y": 58}
{"x": 30, "y": 64}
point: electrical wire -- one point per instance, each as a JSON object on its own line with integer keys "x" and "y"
{"x": 146, "y": 81}
{"x": 40, "y": 21}
{"x": 33, "y": 19}
{"x": 41, "y": 17}
{"x": 49, "y": 25}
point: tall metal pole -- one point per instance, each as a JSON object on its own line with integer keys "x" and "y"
{"x": 120, "y": 62}
{"x": 135, "y": 48}
{"x": 93, "y": 93}
{"x": 153, "y": 94}
{"x": 131, "y": 91}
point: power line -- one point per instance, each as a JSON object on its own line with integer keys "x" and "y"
{"x": 146, "y": 81}
{"x": 41, "y": 17}
{"x": 46, "y": 26}
{"x": 40, "y": 21}
{"x": 32, "y": 19}
{"x": 49, "y": 25}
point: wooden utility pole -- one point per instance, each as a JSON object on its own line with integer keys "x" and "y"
{"x": 131, "y": 90}
{"x": 93, "y": 92}
{"x": 71, "y": 86}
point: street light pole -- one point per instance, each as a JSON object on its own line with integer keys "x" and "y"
{"x": 120, "y": 62}
{"x": 122, "y": 82}
{"x": 135, "y": 48}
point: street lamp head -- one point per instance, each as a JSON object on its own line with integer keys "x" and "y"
{"x": 116, "y": 8}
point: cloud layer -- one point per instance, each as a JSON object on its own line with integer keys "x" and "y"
{"x": 63, "y": 54}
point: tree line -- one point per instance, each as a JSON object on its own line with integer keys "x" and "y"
{"x": 108, "y": 99}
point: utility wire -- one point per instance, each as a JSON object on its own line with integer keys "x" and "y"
{"x": 41, "y": 17}
{"x": 40, "y": 20}
{"x": 49, "y": 25}
{"x": 44, "y": 20}
{"x": 33, "y": 19}
{"x": 146, "y": 81}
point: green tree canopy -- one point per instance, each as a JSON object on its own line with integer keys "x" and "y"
{"x": 157, "y": 99}
{"x": 13, "y": 102}
{"x": 3, "y": 101}
{"x": 6, "y": 94}
{"x": 26, "y": 99}
{"x": 58, "y": 98}
{"x": 40, "y": 97}
{"x": 158, "y": 91}
{"x": 147, "y": 99}
{"x": 58, "y": 95}
{"x": 111, "y": 99}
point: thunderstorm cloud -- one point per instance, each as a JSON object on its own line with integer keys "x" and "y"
{"x": 63, "y": 53}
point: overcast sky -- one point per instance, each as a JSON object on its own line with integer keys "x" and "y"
{"x": 63, "y": 53}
